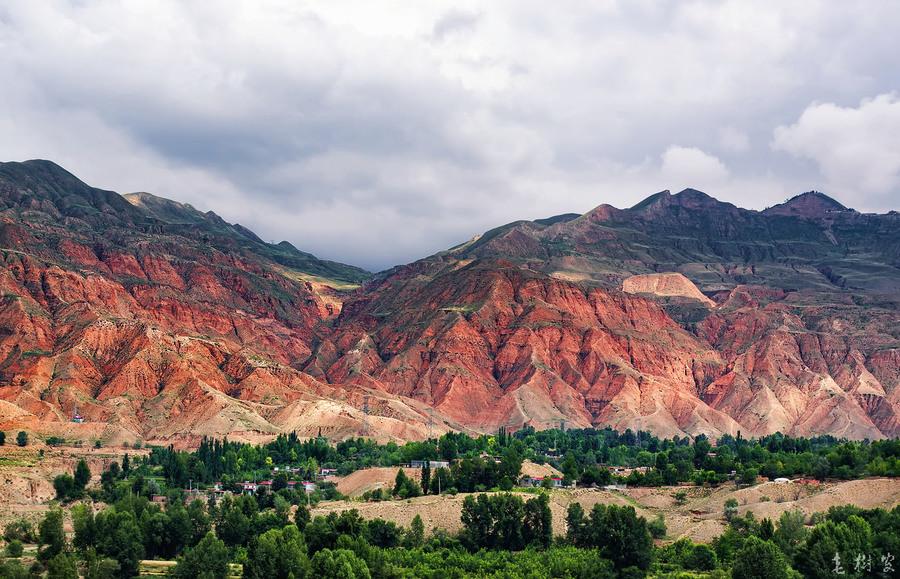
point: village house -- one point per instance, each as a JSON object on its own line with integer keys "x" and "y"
{"x": 433, "y": 464}
{"x": 533, "y": 481}
{"x": 251, "y": 488}
{"x": 627, "y": 470}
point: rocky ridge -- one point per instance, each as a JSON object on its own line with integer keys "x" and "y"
{"x": 681, "y": 315}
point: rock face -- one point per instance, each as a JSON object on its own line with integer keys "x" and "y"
{"x": 680, "y": 315}
{"x": 151, "y": 319}
{"x": 527, "y": 324}
{"x": 665, "y": 285}
{"x": 489, "y": 344}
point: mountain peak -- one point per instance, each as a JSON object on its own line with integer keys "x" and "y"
{"x": 687, "y": 198}
{"x": 40, "y": 182}
{"x": 695, "y": 198}
{"x": 809, "y": 204}
{"x": 39, "y": 170}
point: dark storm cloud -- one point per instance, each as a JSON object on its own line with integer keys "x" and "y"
{"x": 378, "y": 132}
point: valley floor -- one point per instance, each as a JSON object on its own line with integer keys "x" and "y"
{"x": 700, "y": 518}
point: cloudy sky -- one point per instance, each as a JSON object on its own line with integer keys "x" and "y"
{"x": 377, "y": 132}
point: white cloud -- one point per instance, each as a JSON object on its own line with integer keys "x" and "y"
{"x": 691, "y": 167}
{"x": 856, "y": 149}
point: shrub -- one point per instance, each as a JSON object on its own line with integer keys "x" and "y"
{"x": 731, "y": 509}
{"x": 20, "y": 530}
{"x": 14, "y": 548}
{"x": 657, "y": 527}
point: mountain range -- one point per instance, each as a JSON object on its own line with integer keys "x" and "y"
{"x": 127, "y": 317}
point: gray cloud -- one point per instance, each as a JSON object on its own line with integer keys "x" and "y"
{"x": 376, "y": 133}
{"x": 454, "y": 22}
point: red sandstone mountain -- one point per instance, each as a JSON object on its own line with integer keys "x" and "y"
{"x": 152, "y": 319}
{"x": 528, "y": 323}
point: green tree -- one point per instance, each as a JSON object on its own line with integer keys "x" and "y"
{"x": 657, "y": 527}
{"x": 82, "y": 476}
{"x": 508, "y": 512}
{"x": 749, "y": 475}
{"x": 119, "y": 537}
{"x": 62, "y": 566}
{"x": 493, "y": 521}
{"x": 13, "y": 570}
{"x": 621, "y": 536}
{"x": 279, "y": 481}
{"x": 207, "y": 560}
{"x": 301, "y": 517}
{"x": 405, "y": 487}
{"x": 383, "y": 534}
{"x": 339, "y": 564}
{"x": 199, "y": 522}
{"x": 701, "y": 558}
{"x": 570, "y": 467}
{"x": 85, "y": 527}
{"x": 680, "y": 497}
{"x": 14, "y": 548}
{"x": 97, "y": 567}
{"x": 426, "y": 477}
{"x": 235, "y": 519}
{"x": 278, "y": 554}
{"x": 538, "y": 522}
{"x": 154, "y": 531}
{"x": 415, "y": 536}
{"x": 759, "y": 559}
{"x": 400, "y": 482}
{"x": 64, "y": 485}
{"x": 22, "y": 438}
{"x": 791, "y": 532}
{"x": 20, "y": 529}
{"x": 731, "y": 509}
{"x": 575, "y": 525}
{"x": 511, "y": 460}
{"x": 51, "y": 538}
{"x": 440, "y": 481}
{"x": 847, "y": 539}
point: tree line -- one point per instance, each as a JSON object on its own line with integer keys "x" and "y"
{"x": 502, "y": 535}
{"x": 582, "y": 455}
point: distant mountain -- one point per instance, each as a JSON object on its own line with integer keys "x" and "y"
{"x": 680, "y": 315}
{"x": 812, "y": 204}
{"x": 151, "y": 319}
{"x": 796, "y": 328}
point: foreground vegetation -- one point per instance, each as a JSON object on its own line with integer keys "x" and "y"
{"x": 270, "y": 533}
{"x": 502, "y": 536}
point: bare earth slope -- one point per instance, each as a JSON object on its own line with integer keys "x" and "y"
{"x": 699, "y": 519}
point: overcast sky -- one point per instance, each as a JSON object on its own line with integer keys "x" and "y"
{"x": 376, "y": 133}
